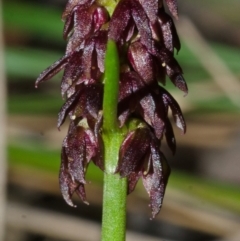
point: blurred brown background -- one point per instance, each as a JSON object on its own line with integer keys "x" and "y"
{"x": 203, "y": 195}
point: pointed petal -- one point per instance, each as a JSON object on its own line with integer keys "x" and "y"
{"x": 132, "y": 151}
{"x": 159, "y": 117}
{"x": 100, "y": 45}
{"x": 73, "y": 3}
{"x": 68, "y": 26}
{"x": 83, "y": 19}
{"x": 67, "y": 107}
{"x": 174, "y": 72}
{"x": 155, "y": 182}
{"x": 131, "y": 83}
{"x": 130, "y": 92}
{"x": 148, "y": 109}
{"x": 77, "y": 159}
{"x": 125, "y": 88}
{"x": 119, "y": 20}
{"x": 87, "y": 60}
{"x": 151, "y": 9}
{"x": 176, "y": 110}
{"x": 89, "y": 103}
{"x": 76, "y": 153}
{"x": 159, "y": 124}
{"x": 67, "y": 185}
{"x": 173, "y": 8}
{"x": 65, "y": 180}
{"x": 142, "y": 23}
{"x": 132, "y": 181}
{"x": 72, "y": 71}
{"x": 141, "y": 61}
{"x": 172, "y": 68}
{"x": 123, "y": 116}
{"x": 52, "y": 70}
{"x": 153, "y": 113}
{"x": 169, "y": 33}
{"x": 98, "y": 158}
{"x": 81, "y": 193}
{"x": 179, "y": 81}
{"x": 98, "y": 124}
{"x": 169, "y": 135}
{"x": 91, "y": 144}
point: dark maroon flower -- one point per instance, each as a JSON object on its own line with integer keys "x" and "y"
{"x": 81, "y": 23}
{"x": 52, "y": 70}
{"x": 164, "y": 30}
{"x": 136, "y": 99}
{"x": 79, "y": 147}
{"x": 133, "y": 151}
{"x": 155, "y": 65}
{"x": 173, "y": 7}
{"x": 83, "y": 65}
{"x": 146, "y": 39}
{"x": 134, "y": 14}
{"x": 86, "y": 102}
{"x": 73, "y": 3}
{"x": 152, "y": 37}
{"x": 142, "y": 61}
{"x": 151, "y": 9}
{"x": 140, "y": 156}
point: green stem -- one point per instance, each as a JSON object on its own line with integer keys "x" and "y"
{"x": 115, "y": 188}
{"x": 111, "y": 86}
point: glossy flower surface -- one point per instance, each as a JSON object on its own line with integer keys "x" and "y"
{"x": 81, "y": 85}
{"x": 146, "y": 39}
{"x": 140, "y": 156}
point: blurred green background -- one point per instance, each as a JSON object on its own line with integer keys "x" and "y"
{"x": 202, "y": 198}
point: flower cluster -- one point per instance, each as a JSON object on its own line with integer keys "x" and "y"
{"x": 146, "y": 38}
{"x": 82, "y": 85}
